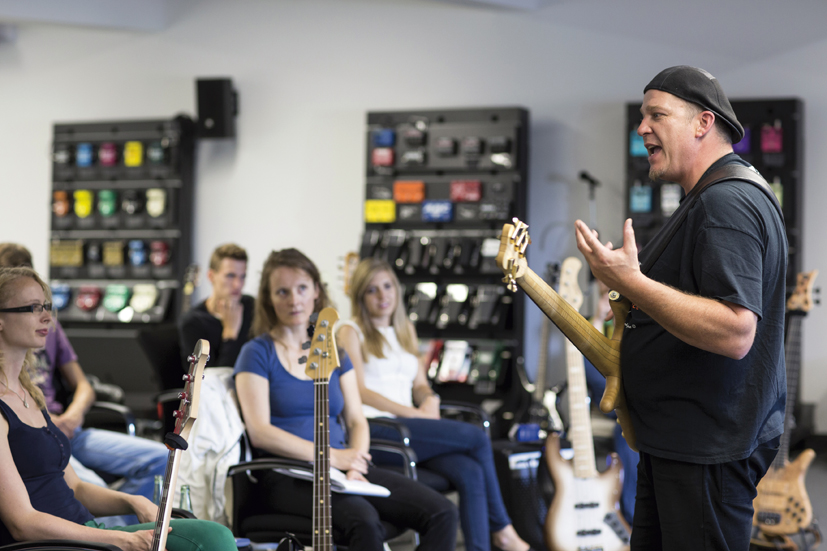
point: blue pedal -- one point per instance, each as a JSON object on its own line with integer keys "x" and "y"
{"x": 386, "y": 137}
{"x": 437, "y": 211}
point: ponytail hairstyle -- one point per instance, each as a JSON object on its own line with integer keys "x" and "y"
{"x": 7, "y": 278}
{"x": 374, "y": 340}
{"x": 264, "y": 317}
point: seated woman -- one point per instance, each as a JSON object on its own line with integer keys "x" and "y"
{"x": 42, "y": 497}
{"x": 277, "y": 401}
{"x": 382, "y": 345}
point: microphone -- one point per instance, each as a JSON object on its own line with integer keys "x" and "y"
{"x": 589, "y": 178}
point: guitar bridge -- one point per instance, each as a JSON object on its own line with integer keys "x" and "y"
{"x": 613, "y": 522}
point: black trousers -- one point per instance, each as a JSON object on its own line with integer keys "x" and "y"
{"x": 358, "y": 518}
{"x": 694, "y": 507}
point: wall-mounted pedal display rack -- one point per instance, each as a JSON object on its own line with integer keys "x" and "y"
{"x": 773, "y": 143}
{"x": 440, "y": 184}
{"x": 120, "y": 237}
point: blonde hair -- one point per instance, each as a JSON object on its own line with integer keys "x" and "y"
{"x": 264, "y": 316}
{"x": 374, "y": 343}
{"x": 7, "y": 277}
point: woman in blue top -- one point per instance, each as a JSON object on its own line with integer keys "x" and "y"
{"x": 43, "y": 498}
{"x": 277, "y": 400}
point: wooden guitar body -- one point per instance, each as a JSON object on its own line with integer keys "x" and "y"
{"x": 585, "y": 512}
{"x": 782, "y": 505}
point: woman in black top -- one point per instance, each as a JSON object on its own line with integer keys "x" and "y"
{"x": 43, "y": 498}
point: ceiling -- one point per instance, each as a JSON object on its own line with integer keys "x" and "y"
{"x": 744, "y": 30}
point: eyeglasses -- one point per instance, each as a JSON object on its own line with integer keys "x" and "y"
{"x": 35, "y": 308}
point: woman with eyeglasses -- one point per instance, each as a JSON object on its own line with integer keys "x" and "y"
{"x": 382, "y": 344}
{"x": 277, "y": 401}
{"x": 42, "y": 497}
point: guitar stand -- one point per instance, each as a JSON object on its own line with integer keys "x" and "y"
{"x": 290, "y": 543}
{"x": 806, "y": 539}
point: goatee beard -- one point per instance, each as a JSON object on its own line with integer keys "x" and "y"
{"x": 655, "y": 174}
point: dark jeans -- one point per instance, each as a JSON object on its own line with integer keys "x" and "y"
{"x": 461, "y": 452}
{"x": 694, "y": 507}
{"x": 358, "y": 518}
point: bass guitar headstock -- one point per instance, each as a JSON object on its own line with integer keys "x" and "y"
{"x": 323, "y": 355}
{"x": 511, "y": 258}
{"x": 801, "y": 300}
{"x": 188, "y": 408}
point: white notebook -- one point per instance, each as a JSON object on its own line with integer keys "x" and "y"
{"x": 339, "y": 483}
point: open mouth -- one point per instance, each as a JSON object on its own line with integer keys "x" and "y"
{"x": 653, "y": 149}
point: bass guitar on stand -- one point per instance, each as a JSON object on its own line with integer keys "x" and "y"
{"x": 585, "y": 511}
{"x": 782, "y": 506}
{"x": 602, "y": 352}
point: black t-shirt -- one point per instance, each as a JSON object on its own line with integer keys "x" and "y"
{"x": 691, "y": 405}
{"x": 198, "y": 323}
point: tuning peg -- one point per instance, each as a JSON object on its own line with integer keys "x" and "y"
{"x": 187, "y": 377}
{"x": 191, "y": 359}
{"x": 305, "y": 345}
{"x": 303, "y": 360}
{"x": 313, "y": 317}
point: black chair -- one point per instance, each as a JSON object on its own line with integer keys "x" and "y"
{"x": 249, "y": 518}
{"x": 162, "y": 347}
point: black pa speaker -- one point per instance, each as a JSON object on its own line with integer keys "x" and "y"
{"x": 217, "y": 107}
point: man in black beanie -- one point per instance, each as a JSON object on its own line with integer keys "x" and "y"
{"x": 702, "y": 351}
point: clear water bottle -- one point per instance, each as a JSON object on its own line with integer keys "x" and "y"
{"x": 159, "y": 489}
{"x": 186, "y": 500}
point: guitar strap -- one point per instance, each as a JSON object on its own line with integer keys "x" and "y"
{"x": 650, "y": 254}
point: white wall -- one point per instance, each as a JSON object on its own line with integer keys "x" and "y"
{"x": 307, "y": 72}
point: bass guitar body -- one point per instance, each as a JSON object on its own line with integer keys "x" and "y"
{"x": 782, "y": 505}
{"x": 585, "y": 512}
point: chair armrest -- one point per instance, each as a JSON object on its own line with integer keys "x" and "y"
{"x": 403, "y": 450}
{"x": 483, "y": 420}
{"x": 269, "y": 463}
{"x": 391, "y": 423}
{"x": 122, "y": 410}
{"x": 54, "y": 545}
{"x": 169, "y": 396}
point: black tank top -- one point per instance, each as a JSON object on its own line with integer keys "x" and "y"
{"x": 41, "y": 455}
